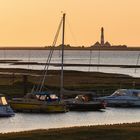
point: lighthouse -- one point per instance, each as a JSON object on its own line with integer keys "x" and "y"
{"x": 102, "y": 36}
{"x": 102, "y": 42}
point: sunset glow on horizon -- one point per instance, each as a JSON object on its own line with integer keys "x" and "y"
{"x": 34, "y": 22}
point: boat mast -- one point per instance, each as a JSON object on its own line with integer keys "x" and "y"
{"x": 62, "y": 59}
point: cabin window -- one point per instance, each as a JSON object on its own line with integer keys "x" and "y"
{"x": 136, "y": 94}
{"x": 119, "y": 93}
{"x": 43, "y": 97}
{"x": 53, "y": 96}
{"x": 3, "y": 101}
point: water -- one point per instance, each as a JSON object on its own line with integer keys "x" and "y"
{"x": 22, "y": 122}
{"x": 76, "y": 57}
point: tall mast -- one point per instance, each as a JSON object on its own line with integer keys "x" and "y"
{"x": 62, "y": 60}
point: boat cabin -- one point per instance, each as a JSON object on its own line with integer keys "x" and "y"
{"x": 45, "y": 96}
{"x": 84, "y": 98}
{"x": 127, "y": 92}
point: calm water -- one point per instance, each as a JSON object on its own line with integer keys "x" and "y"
{"x": 77, "y": 57}
{"x": 23, "y": 121}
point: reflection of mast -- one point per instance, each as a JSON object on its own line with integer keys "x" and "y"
{"x": 102, "y": 36}
{"x": 62, "y": 60}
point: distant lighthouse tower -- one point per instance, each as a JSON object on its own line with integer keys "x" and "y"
{"x": 102, "y": 36}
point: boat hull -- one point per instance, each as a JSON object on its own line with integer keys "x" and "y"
{"x": 123, "y": 103}
{"x": 38, "y": 107}
{"x": 85, "y": 106}
{"x": 6, "y": 111}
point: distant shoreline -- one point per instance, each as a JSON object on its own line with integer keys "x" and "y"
{"x": 74, "y": 48}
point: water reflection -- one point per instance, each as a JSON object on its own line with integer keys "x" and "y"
{"x": 23, "y": 121}
{"x": 75, "y": 57}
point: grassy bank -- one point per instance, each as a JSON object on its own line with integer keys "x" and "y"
{"x": 13, "y": 84}
{"x": 108, "y": 132}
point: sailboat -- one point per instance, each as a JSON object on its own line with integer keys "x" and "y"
{"x": 39, "y": 100}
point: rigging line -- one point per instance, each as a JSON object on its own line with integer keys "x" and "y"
{"x": 137, "y": 62}
{"x": 50, "y": 55}
{"x": 59, "y": 53}
{"x": 72, "y": 33}
{"x": 29, "y": 58}
{"x": 90, "y": 60}
{"x": 4, "y": 54}
{"x": 53, "y": 45}
{"x": 48, "y": 59}
{"x": 99, "y": 55}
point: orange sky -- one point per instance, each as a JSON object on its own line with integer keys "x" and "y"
{"x": 34, "y": 22}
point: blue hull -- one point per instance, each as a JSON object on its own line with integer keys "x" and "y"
{"x": 6, "y": 111}
{"x": 7, "y": 115}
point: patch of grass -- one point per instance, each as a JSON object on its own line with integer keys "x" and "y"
{"x": 102, "y": 84}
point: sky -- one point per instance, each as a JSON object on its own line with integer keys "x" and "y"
{"x": 34, "y": 22}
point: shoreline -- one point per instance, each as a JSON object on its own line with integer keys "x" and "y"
{"x": 75, "y": 127}
{"x": 99, "y": 132}
{"x": 72, "y": 48}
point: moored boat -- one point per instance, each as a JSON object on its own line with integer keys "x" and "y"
{"x": 5, "y": 109}
{"x": 123, "y": 98}
{"x": 85, "y": 103}
{"x": 41, "y": 102}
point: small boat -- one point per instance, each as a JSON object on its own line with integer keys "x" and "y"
{"x": 41, "y": 102}
{"x": 85, "y": 103}
{"x": 123, "y": 98}
{"x": 5, "y": 109}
